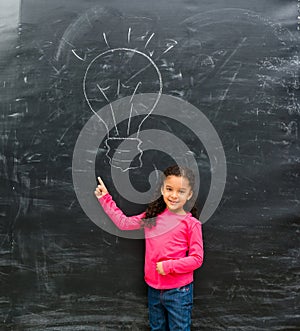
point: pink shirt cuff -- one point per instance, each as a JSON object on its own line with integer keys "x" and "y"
{"x": 104, "y": 197}
{"x": 167, "y": 266}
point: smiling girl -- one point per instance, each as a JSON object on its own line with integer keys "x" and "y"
{"x": 174, "y": 247}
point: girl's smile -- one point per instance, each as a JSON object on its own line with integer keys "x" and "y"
{"x": 176, "y": 190}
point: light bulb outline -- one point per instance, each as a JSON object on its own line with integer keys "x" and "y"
{"x": 159, "y": 93}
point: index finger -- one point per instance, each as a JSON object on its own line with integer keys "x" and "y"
{"x": 100, "y": 181}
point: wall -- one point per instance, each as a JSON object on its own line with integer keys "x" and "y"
{"x": 237, "y": 63}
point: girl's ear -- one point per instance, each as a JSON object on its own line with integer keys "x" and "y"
{"x": 161, "y": 190}
{"x": 190, "y": 195}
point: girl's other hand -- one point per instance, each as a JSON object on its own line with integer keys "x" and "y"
{"x": 159, "y": 268}
{"x": 101, "y": 189}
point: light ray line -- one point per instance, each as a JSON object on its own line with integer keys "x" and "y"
{"x": 167, "y": 50}
{"x": 137, "y": 73}
{"x": 111, "y": 108}
{"x": 146, "y": 67}
{"x": 114, "y": 119}
{"x": 104, "y": 37}
{"x": 232, "y": 54}
{"x": 137, "y": 86}
{"x": 78, "y": 57}
{"x": 106, "y": 88}
{"x": 101, "y": 90}
{"x": 129, "y": 120}
{"x": 118, "y": 88}
{"x": 148, "y": 41}
{"x": 128, "y": 35}
{"x": 88, "y": 19}
{"x": 171, "y": 46}
{"x": 66, "y": 41}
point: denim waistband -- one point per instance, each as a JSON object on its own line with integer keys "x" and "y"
{"x": 169, "y": 289}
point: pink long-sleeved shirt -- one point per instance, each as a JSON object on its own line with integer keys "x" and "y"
{"x": 176, "y": 240}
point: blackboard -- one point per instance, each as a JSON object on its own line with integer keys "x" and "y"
{"x": 227, "y": 78}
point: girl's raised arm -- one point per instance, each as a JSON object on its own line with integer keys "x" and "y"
{"x": 122, "y": 221}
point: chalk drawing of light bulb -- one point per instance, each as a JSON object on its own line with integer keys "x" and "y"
{"x": 112, "y": 75}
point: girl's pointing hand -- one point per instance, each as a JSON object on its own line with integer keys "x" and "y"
{"x": 101, "y": 189}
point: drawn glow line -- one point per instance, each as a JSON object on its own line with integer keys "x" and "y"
{"x": 118, "y": 88}
{"x": 111, "y": 108}
{"x": 167, "y": 50}
{"x": 148, "y": 41}
{"x": 88, "y": 19}
{"x": 105, "y": 88}
{"x": 129, "y": 120}
{"x": 128, "y": 36}
{"x": 78, "y": 57}
{"x": 125, "y": 86}
{"x": 137, "y": 86}
{"x": 149, "y": 58}
{"x": 67, "y": 42}
{"x": 103, "y": 93}
{"x": 231, "y": 55}
{"x": 104, "y": 37}
{"x": 170, "y": 47}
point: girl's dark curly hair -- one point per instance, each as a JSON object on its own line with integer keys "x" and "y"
{"x": 158, "y": 206}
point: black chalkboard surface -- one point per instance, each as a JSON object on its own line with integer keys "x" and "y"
{"x": 211, "y": 85}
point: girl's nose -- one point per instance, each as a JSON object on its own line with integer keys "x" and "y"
{"x": 174, "y": 195}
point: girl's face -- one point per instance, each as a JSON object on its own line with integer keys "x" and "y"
{"x": 176, "y": 191}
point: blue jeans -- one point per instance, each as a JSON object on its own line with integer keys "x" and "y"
{"x": 170, "y": 310}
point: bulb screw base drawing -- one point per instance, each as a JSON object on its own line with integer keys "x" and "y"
{"x": 121, "y": 151}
